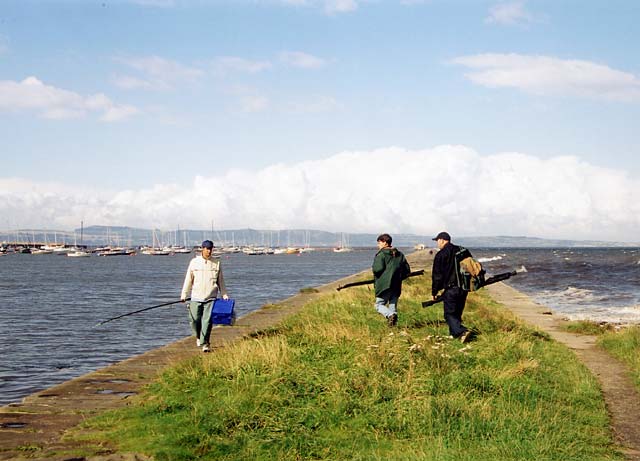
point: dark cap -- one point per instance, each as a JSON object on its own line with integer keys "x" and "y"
{"x": 443, "y": 236}
{"x": 207, "y": 244}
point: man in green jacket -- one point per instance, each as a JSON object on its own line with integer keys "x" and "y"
{"x": 390, "y": 268}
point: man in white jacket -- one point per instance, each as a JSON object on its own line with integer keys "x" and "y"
{"x": 203, "y": 279}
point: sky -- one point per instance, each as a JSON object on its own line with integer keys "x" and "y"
{"x": 477, "y": 117}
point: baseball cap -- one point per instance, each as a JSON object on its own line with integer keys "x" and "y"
{"x": 443, "y": 236}
{"x": 207, "y": 244}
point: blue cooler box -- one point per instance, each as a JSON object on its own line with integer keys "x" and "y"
{"x": 223, "y": 312}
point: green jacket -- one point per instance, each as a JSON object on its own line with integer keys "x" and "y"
{"x": 390, "y": 268}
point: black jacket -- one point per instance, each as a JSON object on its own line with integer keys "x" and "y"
{"x": 443, "y": 274}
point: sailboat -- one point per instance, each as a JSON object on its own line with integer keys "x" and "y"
{"x": 78, "y": 252}
{"x": 38, "y": 251}
{"x": 343, "y": 247}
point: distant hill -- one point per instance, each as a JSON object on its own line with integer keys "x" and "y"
{"x": 131, "y": 236}
{"x": 535, "y": 242}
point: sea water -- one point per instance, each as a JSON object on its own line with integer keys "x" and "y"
{"x": 50, "y": 305}
{"x": 598, "y": 284}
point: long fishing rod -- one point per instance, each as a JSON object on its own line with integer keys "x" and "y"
{"x": 491, "y": 280}
{"x": 142, "y": 310}
{"x": 368, "y": 282}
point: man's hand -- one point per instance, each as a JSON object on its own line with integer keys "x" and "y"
{"x": 225, "y": 297}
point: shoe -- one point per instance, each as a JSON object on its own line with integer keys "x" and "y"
{"x": 198, "y": 342}
{"x": 465, "y": 337}
{"x": 392, "y": 320}
{"x": 205, "y": 348}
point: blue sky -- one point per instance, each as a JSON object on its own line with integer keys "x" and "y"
{"x": 483, "y": 117}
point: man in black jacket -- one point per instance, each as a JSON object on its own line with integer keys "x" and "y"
{"x": 443, "y": 277}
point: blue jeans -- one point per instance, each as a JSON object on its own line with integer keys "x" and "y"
{"x": 200, "y": 320}
{"x": 386, "y": 305}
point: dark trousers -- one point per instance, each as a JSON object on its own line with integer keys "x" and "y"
{"x": 454, "y": 299}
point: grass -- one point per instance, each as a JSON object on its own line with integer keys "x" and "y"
{"x": 624, "y": 344}
{"x": 333, "y": 382}
{"x": 586, "y": 327}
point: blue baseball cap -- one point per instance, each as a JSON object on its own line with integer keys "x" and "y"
{"x": 207, "y": 244}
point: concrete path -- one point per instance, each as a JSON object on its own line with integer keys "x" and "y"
{"x": 620, "y": 395}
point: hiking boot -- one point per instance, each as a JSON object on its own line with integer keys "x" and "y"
{"x": 205, "y": 348}
{"x": 392, "y": 320}
{"x": 198, "y": 342}
{"x": 465, "y": 337}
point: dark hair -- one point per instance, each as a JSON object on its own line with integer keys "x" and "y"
{"x": 386, "y": 238}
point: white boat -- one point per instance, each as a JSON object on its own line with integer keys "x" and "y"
{"x": 77, "y": 252}
{"x": 180, "y": 249}
{"x": 118, "y": 251}
{"x": 343, "y": 246}
{"x": 40, "y": 251}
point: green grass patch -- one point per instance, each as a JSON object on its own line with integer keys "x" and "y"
{"x": 624, "y": 344}
{"x": 586, "y": 327}
{"x": 333, "y": 382}
{"x": 309, "y": 290}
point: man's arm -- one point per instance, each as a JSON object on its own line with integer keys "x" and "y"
{"x": 221, "y": 285}
{"x": 188, "y": 282}
{"x": 436, "y": 275}
{"x": 378, "y": 264}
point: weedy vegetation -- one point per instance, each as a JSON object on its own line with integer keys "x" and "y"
{"x": 624, "y": 344}
{"x": 334, "y": 382}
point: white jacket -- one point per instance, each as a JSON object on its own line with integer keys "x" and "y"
{"x": 203, "y": 279}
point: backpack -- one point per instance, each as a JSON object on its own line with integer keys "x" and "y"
{"x": 469, "y": 272}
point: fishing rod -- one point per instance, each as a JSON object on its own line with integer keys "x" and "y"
{"x": 367, "y": 282}
{"x": 142, "y": 310}
{"x": 491, "y": 280}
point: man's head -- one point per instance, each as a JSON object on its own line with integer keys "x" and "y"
{"x": 442, "y": 239}
{"x": 207, "y": 247}
{"x": 384, "y": 240}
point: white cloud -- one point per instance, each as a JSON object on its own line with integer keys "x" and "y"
{"x": 423, "y": 191}
{"x": 253, "y": 103}
{"x": 329, "y": 6}
{"x": 157, "y": 73}
{"x": 248, "y": 98}
{"x": 55, "y": 103}
{"x": 225, "y": 64}
{"x": 544, "y": 75}
{"x": 302, "y": 60}
{"x": 340, "y": 6}
{"x": 315, "y": 105}
{"x": 509, "y": 13}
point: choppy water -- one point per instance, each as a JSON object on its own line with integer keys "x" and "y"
{"x": 600, "y": 284}
{"x": 50, "y": 305}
